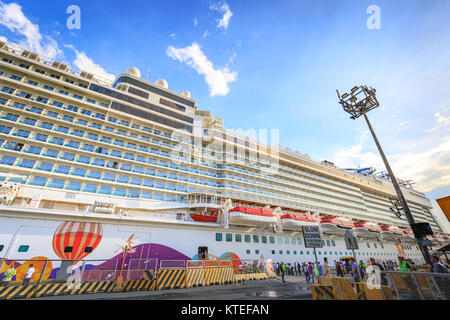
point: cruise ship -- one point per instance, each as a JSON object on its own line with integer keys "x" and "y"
{"x": 88, "y": 164}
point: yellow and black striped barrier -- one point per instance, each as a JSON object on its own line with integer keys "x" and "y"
{"x": 218, "y": 275}
{"x": 322, "y": 292}
{"x": 239, "y": 277}
{"x": 228, "y": 275}
{"x": 139, "y": 285}
{"x": 195, "y": 277}
{"x": 171, "y": 279}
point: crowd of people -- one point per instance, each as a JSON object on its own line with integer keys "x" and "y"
{"x": 358, "y": 271}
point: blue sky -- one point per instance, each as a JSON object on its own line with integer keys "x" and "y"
{"x": 276, "y": 65}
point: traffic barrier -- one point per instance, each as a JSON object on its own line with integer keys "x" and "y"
{"x": 171, "y": 279}
{"x": 342, "y": 288}
{"x": 239, "y": 277}
{"x": 139, "y": 285}
{"x": 228, "y": 276}
{"x": 213, "y": 276}
{"x": 375, "y": 293}
{"x": 149, "y": 275}
{"x": 320, "y": 292}
{"x": 326, "y": 281}
{"x": 195, "y": 277}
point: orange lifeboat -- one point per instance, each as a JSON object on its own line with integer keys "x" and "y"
{"x": 296, "y": 221}
{"x": 205, "y": 218}
{"x": 391, "y": 233}
{"x": 252, "y": 216}
{"x": 367, "y": 229}
{"x": 336, "y": 225}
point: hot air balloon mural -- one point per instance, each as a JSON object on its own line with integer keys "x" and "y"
{"x": 76, "y": 240}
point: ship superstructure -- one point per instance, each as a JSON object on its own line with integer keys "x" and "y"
{"x": 134, "y": 154}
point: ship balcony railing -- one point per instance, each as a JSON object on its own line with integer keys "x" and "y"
{"x": 37, "y": 183}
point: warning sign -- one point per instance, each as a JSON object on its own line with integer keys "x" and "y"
{"x": 311, "y": 235}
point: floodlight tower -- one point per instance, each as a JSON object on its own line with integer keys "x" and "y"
{"x": 357, "y": 103}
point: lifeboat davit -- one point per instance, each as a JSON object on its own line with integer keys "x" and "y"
{"x": 391, "y": 233}
{"x": 292, "y": 221}
{"x": 366, "y": 229}
{"x": 337, "y": 225}
{"x": 252, "y": 217}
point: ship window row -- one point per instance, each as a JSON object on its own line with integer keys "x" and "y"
{"x": 96, "y": 174}
{"x": 95, "y": 125}
{"x": 140, "y": 103}
{"x": 69, "y": 156}
{"x": 66, "y": 155}
{"x": 57, "y": 90}
{"x": 72, "y": 185}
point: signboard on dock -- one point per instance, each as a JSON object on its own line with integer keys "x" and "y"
{"x": 311, "y": 236}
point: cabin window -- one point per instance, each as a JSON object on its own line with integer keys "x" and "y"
{"x": 333, "y": 243}
{"x": 292, "y": 240}
{"x": 23, "y": 248}
{"x": 238, "y": 238}
{"x": 375, "y": 245}
{"x": 280, "y": 252}
{"x": 323, "y": 243}
{"x": 328, "y": 243}
{"x": 295, "y": 252}
{"x": 229, "y": 237}
{"x": 271, "y": 240}
{"x": 1, "y": 247}
{"x": 256, "y": 251}
{"x": 382, "y": 246}
{"x": 299, "y": 241}
{"x": 368, "y": 245}
{"x": 307, "y": 252}
{"x": 286, "y": 240}
{"x": 248, "y": 251}
{"x": 247, "y": 238}
{"x": 263, "y": 239}
{"x": 218, "y": 237}
{"x": 255, "y": 238}
{"x": 279, "y": 240}
{"x": 88, "y": 249}
{"x": 320, "y": 252}
{"x": 68, "y": 249}
{"x": 301, "y": 252}
{"x": 273, "y": 251}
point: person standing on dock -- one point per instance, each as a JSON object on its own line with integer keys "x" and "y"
{"x": 28, "y": 275}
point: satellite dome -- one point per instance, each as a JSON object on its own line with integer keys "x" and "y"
{"x": 187, "y": 94}
{"x": 134, "y": 72}
{"x": 162, "y": 83}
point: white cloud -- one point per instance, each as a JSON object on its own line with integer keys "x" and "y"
{"x": 173, "y": 35}
{"x": 216, "y": 78}
{"x": 355, "y": 156}
{"x": 195, "y": 22}
{"x": 429, "y": 168}
{"x": 223, "y": 8}
{"x": 443, "y": 121}
{"x": 83, "y": 62}
{"x": 206, "y": 33}
{"x": 12, "y": 17}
